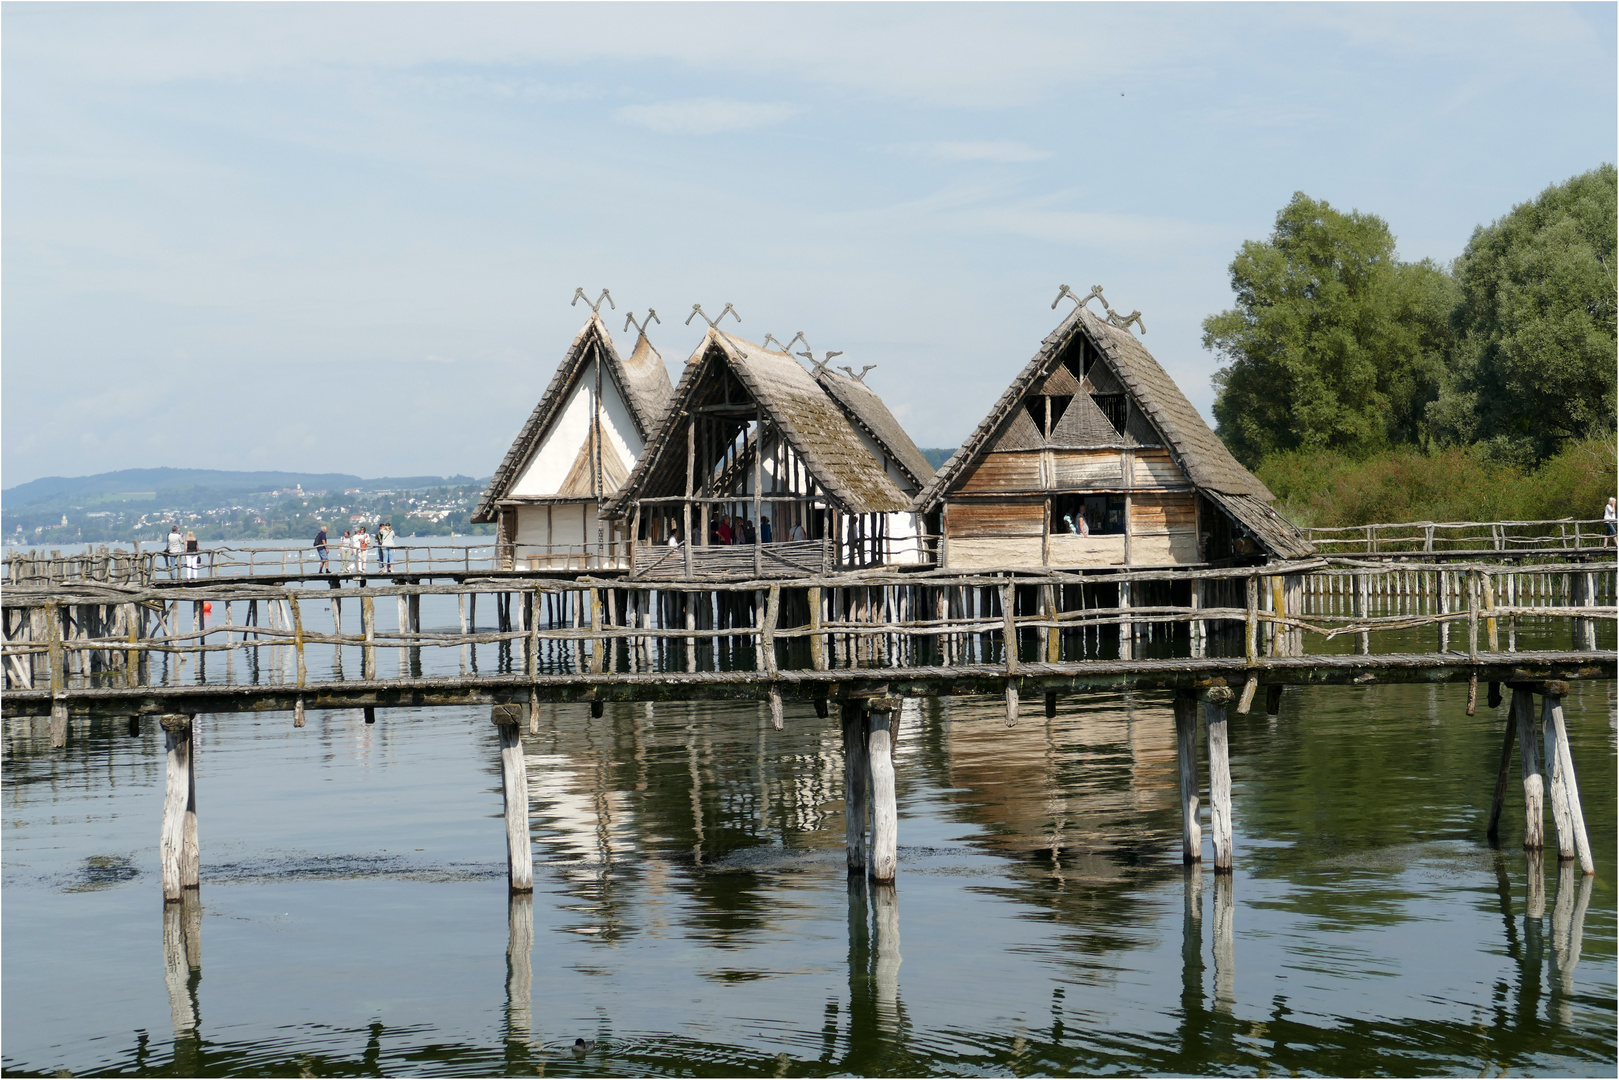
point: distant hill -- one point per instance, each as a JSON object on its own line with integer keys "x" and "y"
{"x": 937, "y": 456}
{"x": 145, "y": 484}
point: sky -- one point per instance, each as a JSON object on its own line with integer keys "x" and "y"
{"x": 334, "y": 237}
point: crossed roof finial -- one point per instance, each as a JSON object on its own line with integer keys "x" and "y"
{"x": 787, "y": 348}
{"x": 640, "y": 327}
{"x": 1081, "y": 301}
{"x": 713, "y": 324}
{"x": 860, "y": 378}
{"x": 820, "y": 365}
{"x": 595, "y": 309}
{"x": 1113, "y": 317}
{"x": 1123, "y": 321}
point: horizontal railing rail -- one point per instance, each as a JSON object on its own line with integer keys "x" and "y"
{"x": 1430, "y": 536}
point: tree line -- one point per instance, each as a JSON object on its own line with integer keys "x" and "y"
{"x": 1340, "y": 357}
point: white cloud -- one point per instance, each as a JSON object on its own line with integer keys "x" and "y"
{"x": 705, "y": 116}
{"x": 1011, "y": 153}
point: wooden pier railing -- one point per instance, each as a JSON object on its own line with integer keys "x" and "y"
{"x": 112, "y": 649}
{"x": 1521, "y": 537}
{"x": 1484, "y": 539}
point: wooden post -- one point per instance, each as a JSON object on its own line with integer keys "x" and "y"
{"x": 884, "y": 814}
{"x": 56, "y": 666}
{"x": 1246, "y": 701}
{"x": 855, "y": 779}
{"x": 1487, "y": 584}
{"x": 1444, "y": 609}
{"x": 817, "y": 641}
{"x": 1011, "y": 702}
{"x": 1472, "y": 621}
{"x": 1278, "y": 610}
{"x": 1363, "y": 587}
{"x": 1126, "y": 627}
{"x": 514, "y": 786}
{"x": 402, "y": 610}
{"x": 1251, "y": 627}
{"x": 368, "y": 624}
{"x": 685, "y": 508}
{"x": 1523, "y": 714}
{"x": 298, "y": 639}
{"x": 1572, "y": 839}
{"x": 298, "y": 711}
{"x": 1196, "y": 631}
{"x": 1186, "y": 751}
{"x": 1214, "y": 718}
{"x": 598, "y": 658}
{"x": 177, "y": 850}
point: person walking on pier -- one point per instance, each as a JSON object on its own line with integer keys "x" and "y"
{"x": 362, "y": 545}
{"x": 345, "y": 548}
{"x": 321, "y": 550}
{"x": 1610, "y": 521}
{"x": 386, "y": 540}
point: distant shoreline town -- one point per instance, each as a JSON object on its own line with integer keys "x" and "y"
{"x": 141, "y": 504}
{"x": 217, "y": 505}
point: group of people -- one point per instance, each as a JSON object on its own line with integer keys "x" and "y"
{"x": 183, "y": 552}
{"x": 738, "y": 530}
{"x": 727, "y": 530}
{"x": 354, "y": 549}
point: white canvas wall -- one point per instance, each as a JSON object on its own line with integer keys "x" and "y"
{"x": 559, "y": 449}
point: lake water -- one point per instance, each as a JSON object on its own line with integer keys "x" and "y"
{"x": 692, "y": 914}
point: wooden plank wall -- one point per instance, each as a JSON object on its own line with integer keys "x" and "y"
{"x": 1003, "y": 520}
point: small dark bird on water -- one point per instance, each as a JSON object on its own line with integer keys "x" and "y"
{"x": 583, "y": 1046}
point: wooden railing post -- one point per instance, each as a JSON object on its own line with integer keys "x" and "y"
{"x": 817, "y": 640}
{"x": 368, "y": 625}
{"x": 1251, "y": 624}
{"x": 298, "y": 638}
{"x": 1487, "y": 586}
{"x": 1472, "y": 617}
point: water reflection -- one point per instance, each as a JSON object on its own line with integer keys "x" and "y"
{"x": 877, "y": 1023}
{"x": 699, "y": 852}
{"x": 182, "y": 975}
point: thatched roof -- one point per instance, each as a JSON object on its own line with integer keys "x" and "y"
{"x": 809, "y": 419}
{"x": 642, "y": 381}
{"x": 1196, "y": 450}
{"x": 864, "y": 408}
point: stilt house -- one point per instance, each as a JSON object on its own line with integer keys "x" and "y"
{"x": 1094, "y": 457}
{"x": 576, "y": 449}
{"x": 751, "y": 437}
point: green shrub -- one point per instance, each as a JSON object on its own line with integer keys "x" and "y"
{"x": 1328, "y": 488}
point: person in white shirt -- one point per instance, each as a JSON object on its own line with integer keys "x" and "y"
{"x": 362, "y": 544}
{"x": 1610, "y": 520}
{"x": 346, "y": 548}
{"x": 177, "y": 548}
{"x": 797, "y": 533}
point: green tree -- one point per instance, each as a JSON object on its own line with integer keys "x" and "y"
{"x": 1535, "y": 359}
{"x": 1334, "y": 343}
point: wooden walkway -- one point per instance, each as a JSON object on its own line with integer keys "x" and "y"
{"x": 866, "y": 640}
